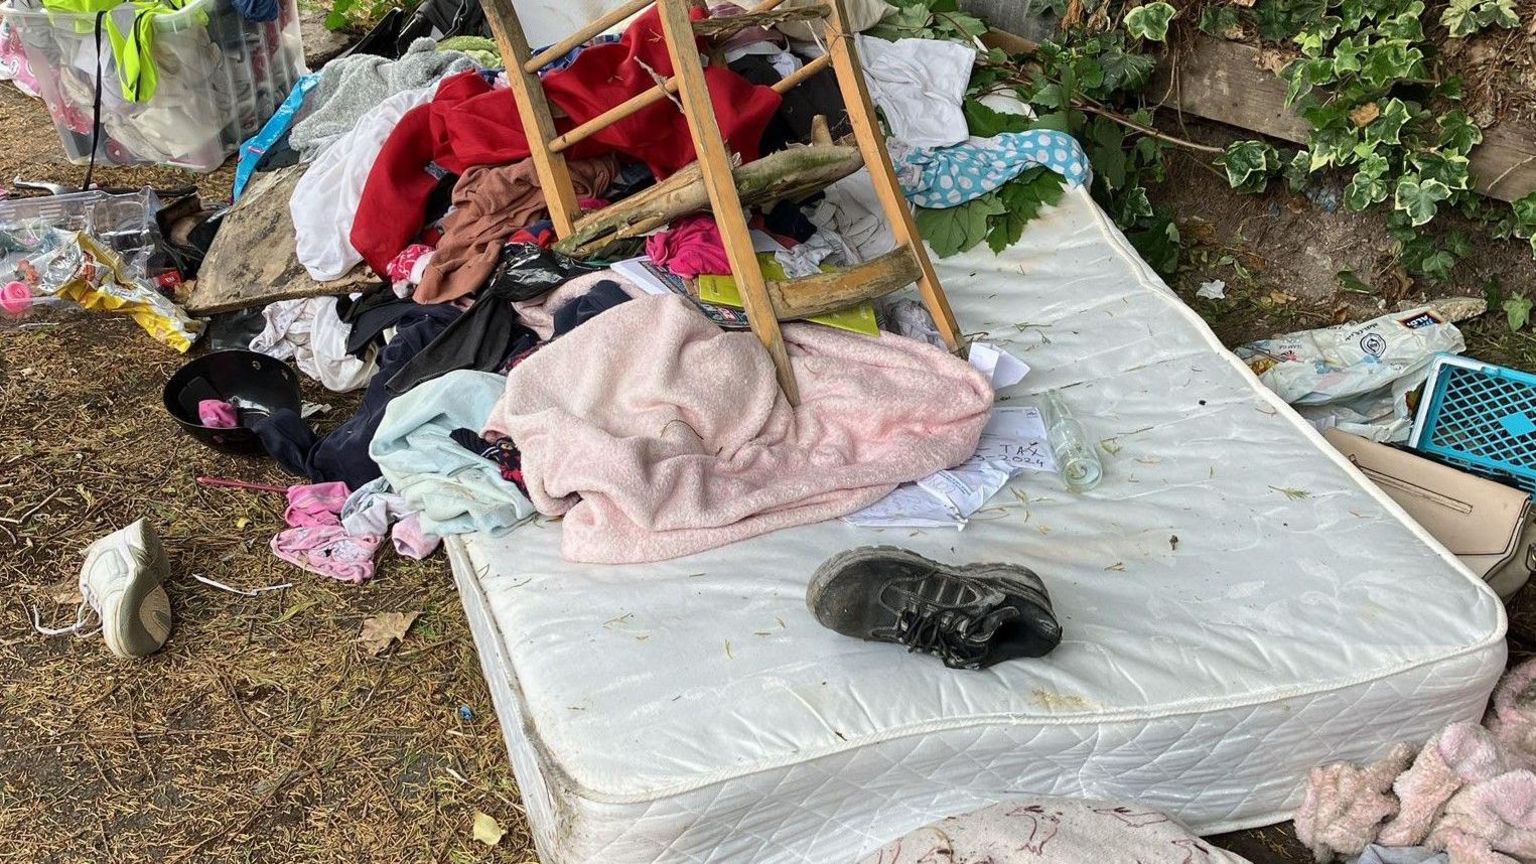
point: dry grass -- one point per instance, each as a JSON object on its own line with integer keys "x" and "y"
{"x": 263, "y": 731}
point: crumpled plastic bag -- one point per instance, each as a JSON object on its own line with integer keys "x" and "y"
{"x": 76, "y": 266}
{"x": 526, "y": 270}
{"x": 1356, "y": 377}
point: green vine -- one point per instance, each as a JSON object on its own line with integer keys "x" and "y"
{"x": 1365, "y": 83}
{"x": 1085, "y": 84}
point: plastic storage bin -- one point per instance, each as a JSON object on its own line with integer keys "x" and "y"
{"x": 220, "y": 78}
{"x": 1480, "y": 417}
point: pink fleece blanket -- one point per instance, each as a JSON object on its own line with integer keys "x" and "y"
{"x": 658, "y": 435}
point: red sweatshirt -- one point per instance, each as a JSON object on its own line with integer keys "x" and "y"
{"x": 469, "y": 123}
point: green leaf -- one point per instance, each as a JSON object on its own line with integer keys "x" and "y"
{"x": 1348, "y": 281}
{"x": 1150, "y": 22}
{"x": 335, "y": 20}
{"x": 1249, "y": 164}
{"x": 1438, "y": 265}
{"x": 1347, "y": 54}
{"x": 1525, "y": 211}
{"x": 1452, "y": 170}
{"x": 1518, "y": 312}
{"x": 1158, "y": 245}
{"x": 1458, "y": 132}
{"x": 1298, "y": 171}
{"x": 1061, "y": 121}
{"x": 1134, "y": 207}
{"x": 1363, "y": 191}
{"x": 984, "y": 122}
{"x": 1221, "y": 22}
{"x": 1460, "y": 18}
{"x": 1388, "y": 126}
{"x": 956, "y": 229}
{"x": 1417, "y": 198}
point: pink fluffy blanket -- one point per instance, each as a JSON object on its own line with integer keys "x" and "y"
{"x": 657, "y": 435}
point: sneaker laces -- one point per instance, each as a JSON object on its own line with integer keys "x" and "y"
{"x": 87, "y": 610}
{"x": 944, "y": 631}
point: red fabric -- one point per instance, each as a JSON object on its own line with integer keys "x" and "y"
{"x": 469, "y": 123}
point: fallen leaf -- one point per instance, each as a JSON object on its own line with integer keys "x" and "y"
{"x": 387, "y": 627}
{"x": 242, "y": 522}
{"x": 1293, "y": 494}
{"x": 487, "y": 829}
{"x": 68, "y": 597}
{"x": 294, "y": 610}
{"x": 1365, "y": 114}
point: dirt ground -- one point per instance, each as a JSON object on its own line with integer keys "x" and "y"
{"x": 264, "y": 731}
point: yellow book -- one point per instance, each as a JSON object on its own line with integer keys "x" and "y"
{"x": 722, "y": 290}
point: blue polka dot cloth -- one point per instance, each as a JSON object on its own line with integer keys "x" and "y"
{"x": 942, "y": 177}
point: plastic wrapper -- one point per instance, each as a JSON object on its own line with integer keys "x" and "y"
{"x": 526, "y": 270}
{"x": 1356, "y": 377}
{"x": 73, "y": 265}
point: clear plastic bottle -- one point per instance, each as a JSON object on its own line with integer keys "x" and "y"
{"x": 1076, "y": 459}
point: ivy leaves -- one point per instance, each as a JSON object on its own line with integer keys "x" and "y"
{"x": 1418, "y": 198}
{"x": 929, "y": 19}
{"x": 1249, "y": 164}
{"x": 1465, "y": 17}
{"x": 998, "y": 217}
{"x": 1150, "y": 22}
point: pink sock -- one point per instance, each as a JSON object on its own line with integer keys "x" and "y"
{"x": 410, "y": 541}
{"x": 217, "y": 414}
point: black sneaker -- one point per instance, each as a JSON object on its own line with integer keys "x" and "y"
{"x": 970, "y": 616}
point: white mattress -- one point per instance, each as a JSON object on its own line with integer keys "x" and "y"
{"x": 693, "y": 711}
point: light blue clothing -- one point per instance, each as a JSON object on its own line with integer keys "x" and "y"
{"x": 943, "y": 177}
{"x": 456, "y": 491}
{"x": 277, "y": 126}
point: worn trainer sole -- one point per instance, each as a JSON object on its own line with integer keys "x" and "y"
{"x": 136, "y": 615}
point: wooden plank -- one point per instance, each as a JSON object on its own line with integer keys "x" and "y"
{"x": 810, "y": 296}
{"x": 252, "y": 260}
{"x": 861, "y": 115}
{"x": 533, "y": 109}
{"x": 1224, "y": 81}
{"x": 720, "y": 182}
{"x": 564, "y": 46}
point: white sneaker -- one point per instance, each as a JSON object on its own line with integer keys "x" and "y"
{"x": 121, "y": 582}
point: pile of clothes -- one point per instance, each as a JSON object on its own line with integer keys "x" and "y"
{"x": 1466, "y": 797}
{"x": 502, "y": 379}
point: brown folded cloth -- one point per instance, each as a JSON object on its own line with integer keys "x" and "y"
{"x": 491, "y": 202}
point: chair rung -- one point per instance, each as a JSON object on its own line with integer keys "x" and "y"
{"x": 810, "y": 296}
{"x": 632, "y": 105}
{"x": 598, "y": 25}
{"x": 731, "y": 24}
{"x": 793, "y": 79}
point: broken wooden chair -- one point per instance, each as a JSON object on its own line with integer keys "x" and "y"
{"x": 714, "y": 181}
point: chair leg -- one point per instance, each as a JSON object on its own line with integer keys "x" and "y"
{"x": 720, "y": 181}
{"x": 533, "y": 108}
{"x": 866, "y": 129}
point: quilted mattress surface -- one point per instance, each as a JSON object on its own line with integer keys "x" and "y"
{"x": 1238, "y": 607}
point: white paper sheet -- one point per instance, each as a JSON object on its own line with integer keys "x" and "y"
{"x": 1013, "y": 442}
{"x": 1000, "y": 367}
